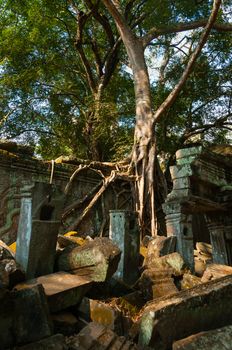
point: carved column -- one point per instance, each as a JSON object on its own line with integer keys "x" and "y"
{"x": 179, "y": 224}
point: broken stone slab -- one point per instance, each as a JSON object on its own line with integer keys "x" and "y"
{"x": 216, "y": 339}
{"x": 64, "y": 241}
{"x": 173, "y": 261}
{"x": 56, "y": 342}
{"x": 204, "y": 307}
{"x": 100, "y": 256}
{"x": 12, "y": 271}
{"x": 65, "y": 323}
{"x": 214, "y": 271}
{"x": 5, "y": 252}
{"x": 62, "y": 289}
{"x": 96, "y": 336}
{"x": 32, "y": 320}
{"x": 159, "y": 246}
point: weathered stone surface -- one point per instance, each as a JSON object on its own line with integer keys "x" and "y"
{"x": 218, "y": 339}
{"x": 100, "y": 257}
{"x": 62, "y": 289}
{"x": 214, "y": 271}
{"x": 124, "y": 232}
{"x": 204, "y": 249}
{"x": 7, "y": 338}
{"x": 66, "y": 241}
{"x": 156, "y": 282}
{"x": 159, "y": 246}
{"x": 55, "y": 342}
{"x": 203, "y": 307}
{"x": 14, "y": 272}
{"x": 96, "y": 336}
{"x": 173, "y": 261}
{"x": 189, "y": 281}
{"x": 65, "y": 323}
{"x": 5, "y": 252}
{"x": 32, "y": 320}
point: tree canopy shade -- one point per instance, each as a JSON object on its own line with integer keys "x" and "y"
{"x": 68, "y": 68}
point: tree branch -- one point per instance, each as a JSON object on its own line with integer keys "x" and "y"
{"x": 173, "y": 95}
{"x": 182, "y": 27}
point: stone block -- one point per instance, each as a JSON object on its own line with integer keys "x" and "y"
{"x": 173, "y": 261}
{"x": 62, "y": 289}
{"x": 159, "y": 246}
{"x": 65, "y": 323}
{"x": 32, "y": 320}
{"x": 217, "y": 339}
{"x": 214, "y": 271}
{"x": 164, "y": 287}
{"x": 100, "y": 257}
{"x": 204, "y": 307}
{"x": 96, "y": 336}
{"x": 56, "y": 342}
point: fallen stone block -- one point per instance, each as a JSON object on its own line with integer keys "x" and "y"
{"x": 214, "y": 271}
{"x": 96, "y": 336}
{"x": 159, "y": 246}
{"x": 65, "y": 323}
{"x": 173, "y": 260}
{"x": 100, "y": 257}
{"x": 66, "y": 241}
{"x": 56, "y": 342}
{"x": 214, "y": 340}
{"x": 62, "y": 289}
{"x": 32, "y": 320}
{"x": 204, "y": 307}
{"x": 5, "y": 252}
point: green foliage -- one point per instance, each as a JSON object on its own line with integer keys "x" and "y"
{"x": 46, "y": 97}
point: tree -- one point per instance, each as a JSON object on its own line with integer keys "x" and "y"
{"x": 55, "y": 75}
{"x": 143, "y": 158}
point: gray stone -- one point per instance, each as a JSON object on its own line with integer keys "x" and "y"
{"x": 204, "y": 307}
{"x": 55, "y": 342}
{"x": 99, "y": 258}
{"x": 39, "y": 223}
{"x": 62, "y": 289}
{"x": 124, "y": 232}
{"x": 32, "y": 320}
{"x": 217, "y": 339}
{"x": 159, "y": 246}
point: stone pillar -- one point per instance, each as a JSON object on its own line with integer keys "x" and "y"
{"x": 39, "y": 222}
{"x": 179, "y": 224}
{"x": 124, "y": 231}
{"x": 218, "y": 234}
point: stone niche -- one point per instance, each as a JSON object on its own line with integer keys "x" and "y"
{"x": 20, "y": 169}
{"x": 202, "y": 184}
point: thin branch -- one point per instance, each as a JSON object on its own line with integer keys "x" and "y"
{"x": 173, "y": 95}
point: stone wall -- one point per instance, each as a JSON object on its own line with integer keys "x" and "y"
{"x": 17, "y": 169}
